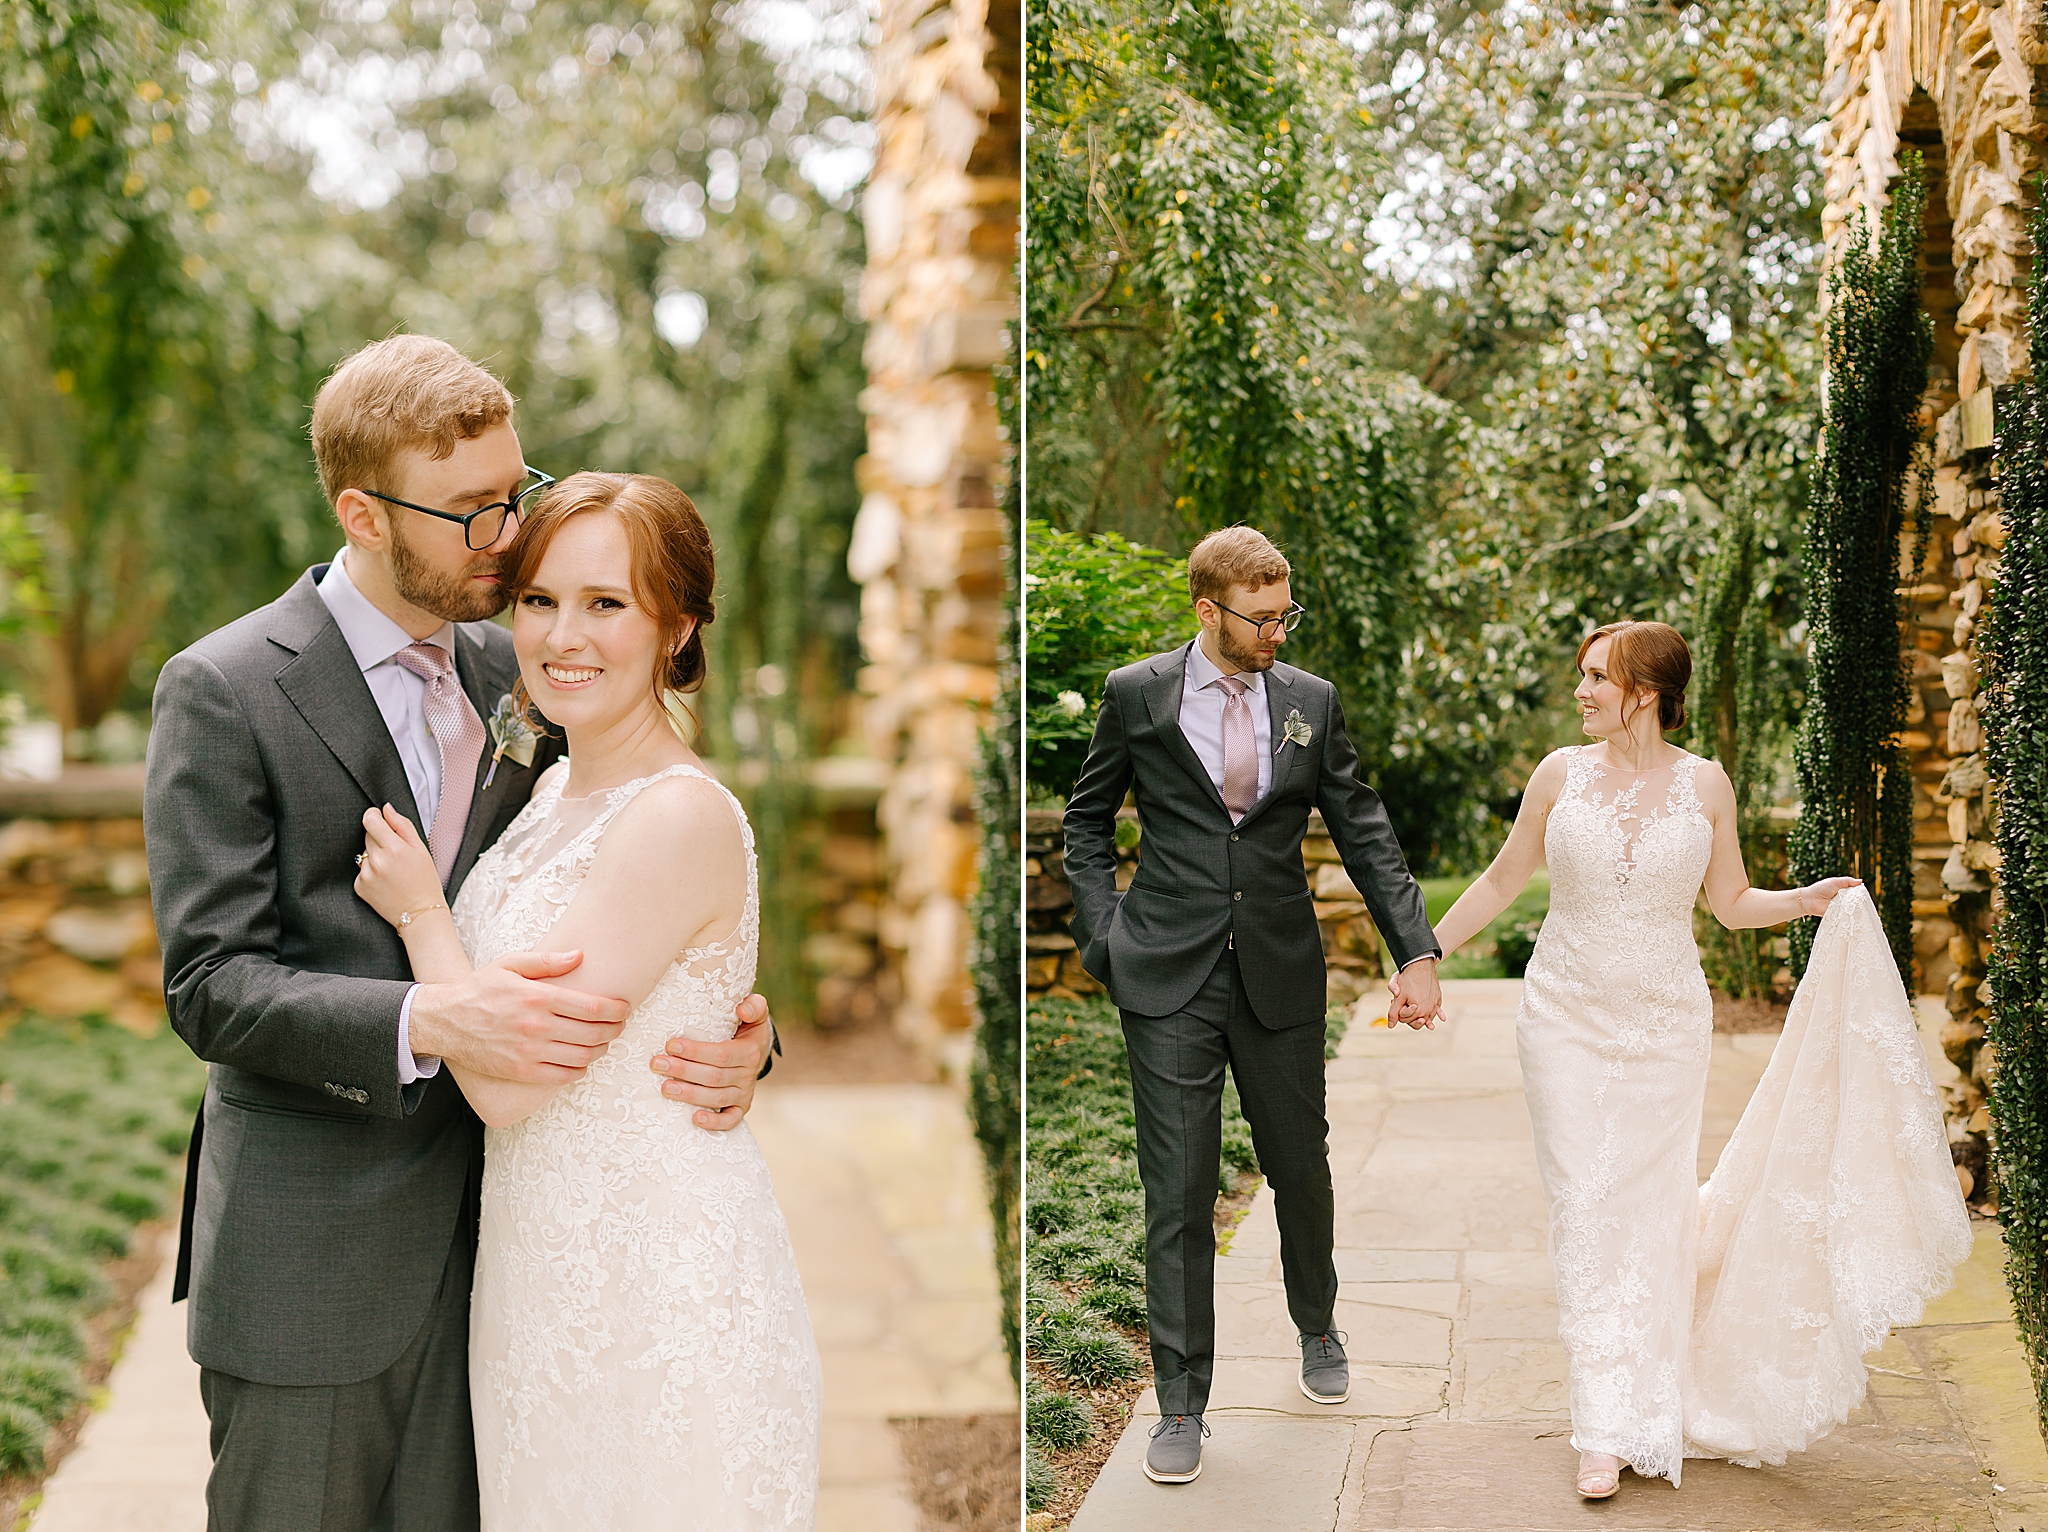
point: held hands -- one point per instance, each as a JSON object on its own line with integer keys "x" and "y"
{"x": 719, "y": 1078}
{"x": 1417, "y": 999}
{"x": 1815, "y": 898}
{"x": 398, "y": 874}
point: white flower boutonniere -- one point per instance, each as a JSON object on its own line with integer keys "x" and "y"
{"x": 1296, "y": 729}
{"x": 512, "y": 734}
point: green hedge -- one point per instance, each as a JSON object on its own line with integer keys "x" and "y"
{"x": 93, "y": 1121}
{"x": 1092, "y": 604}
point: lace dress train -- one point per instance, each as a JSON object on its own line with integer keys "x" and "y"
{"x": 1728, "y": 1320}
{"x": 640, "y": 1353}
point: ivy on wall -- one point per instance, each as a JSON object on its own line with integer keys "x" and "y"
{"x": 2013, "y": 644}
{"x": 996, "y": 1087}
{"x": 1874, "y": 475}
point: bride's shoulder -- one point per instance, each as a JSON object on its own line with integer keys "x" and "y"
{"x": 1710, "y": 780}
{"x": 688, "y": 811}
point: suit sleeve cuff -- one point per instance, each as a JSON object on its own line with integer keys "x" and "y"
{"x": 410, "y": 1068}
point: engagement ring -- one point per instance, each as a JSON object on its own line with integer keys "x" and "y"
{"x": 359, "y": 857}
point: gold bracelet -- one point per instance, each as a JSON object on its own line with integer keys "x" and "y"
{"x": 405, "y": 917}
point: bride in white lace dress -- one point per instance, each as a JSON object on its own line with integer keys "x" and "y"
{"x": 640, "y": 1354}
{"x": 1728, "y": 1320}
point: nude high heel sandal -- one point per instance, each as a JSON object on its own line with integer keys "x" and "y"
{"x": 1599, "y": 1474}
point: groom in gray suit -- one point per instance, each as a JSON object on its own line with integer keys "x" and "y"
{"x": 1214, "y": 957}
{"x": 331, "y": 1199}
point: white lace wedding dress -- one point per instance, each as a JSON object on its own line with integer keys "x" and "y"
{"x": 1729, "y": 1320}
{"x": 640, "y": 1355}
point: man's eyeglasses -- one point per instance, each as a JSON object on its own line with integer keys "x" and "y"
{"x": 487, "y": 523}
{"x": 1287, "y": 621}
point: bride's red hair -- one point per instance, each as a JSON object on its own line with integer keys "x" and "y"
{"x": 1647, "y": 656}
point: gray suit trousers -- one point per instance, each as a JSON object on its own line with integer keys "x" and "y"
{"x": 1177, "y": 1064}
{"x": 393, "y": 1453}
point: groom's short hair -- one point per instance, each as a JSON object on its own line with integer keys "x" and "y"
{"x": 400, "y": 392}
{"x": 1234, "y": 556}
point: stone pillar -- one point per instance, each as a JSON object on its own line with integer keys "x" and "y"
{"x": 1959, "y": 81}
{"x": 939, "y": 297}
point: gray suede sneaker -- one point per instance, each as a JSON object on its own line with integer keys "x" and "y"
{"x": 1175, "y": 1455}
{"x": 1325, "y": 1374}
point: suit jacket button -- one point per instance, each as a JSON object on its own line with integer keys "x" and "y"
{"x": 1233, "y": 835}
{"x": 1238, "y": 895}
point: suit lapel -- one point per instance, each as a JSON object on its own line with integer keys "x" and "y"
{"x": 1280, "y": 701}
{"x": 323, "y": 681}
{"x": 1162, "y": 700}
{"x": 485, "y": 680}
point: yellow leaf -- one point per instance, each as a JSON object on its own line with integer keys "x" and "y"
{"x": 197, "y": 198}
{"x": 81, "y": 125}
{"x": 134, "y": 183}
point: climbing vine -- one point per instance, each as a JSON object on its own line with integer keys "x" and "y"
{"x": 2013, "y": 643}
{"x": 1873, "y": 478}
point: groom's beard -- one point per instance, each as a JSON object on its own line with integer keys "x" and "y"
{"x": 453, "y": 597}
{"x": 1243, "y": 656}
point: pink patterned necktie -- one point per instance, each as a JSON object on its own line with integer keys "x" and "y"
{"x": 460, "y": 735}
{"x": 1240, "y": 749}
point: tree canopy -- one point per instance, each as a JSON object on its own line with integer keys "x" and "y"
{"x": 1531, "y": 294}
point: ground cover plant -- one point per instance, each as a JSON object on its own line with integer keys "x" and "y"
{"x": 93, "y": 1121}
{"x": 1084, "y": 1293}
{"x": 1085, "y": 1268}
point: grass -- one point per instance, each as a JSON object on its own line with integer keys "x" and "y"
{"x": 1085, "y": 1216}
{"x": 1502, "y": 949}
{"x": 93, "y": 1120}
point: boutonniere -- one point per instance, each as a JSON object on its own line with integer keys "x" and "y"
{"x": 512, "y": 734}
{"x": 1296, "y": 729}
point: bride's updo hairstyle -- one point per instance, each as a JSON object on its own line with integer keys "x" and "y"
{"x": 673, "y": 569}
{"x": 1647, "y": 656}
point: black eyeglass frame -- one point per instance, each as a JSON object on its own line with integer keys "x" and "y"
{"x": 1286, "y": 622}
{"x": 509, "y": 507}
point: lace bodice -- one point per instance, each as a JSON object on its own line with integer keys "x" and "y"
{"x": 1626, "y": 844}
{"x": 640, "y": 1354}
{"x": 1626, "y": 854}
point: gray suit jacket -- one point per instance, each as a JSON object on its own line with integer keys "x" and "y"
{"x": 323, "y": 1199}
{"x": 1202, "y": 881}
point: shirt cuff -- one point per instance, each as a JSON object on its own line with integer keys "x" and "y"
{"x": 1431, "y": 956}
{"x": 410, "y": 1068}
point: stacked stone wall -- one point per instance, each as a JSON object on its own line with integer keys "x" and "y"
{"x": 1962, "y": 83}
{"x": 76, "y": 936}
{"x": 927, "y": 548}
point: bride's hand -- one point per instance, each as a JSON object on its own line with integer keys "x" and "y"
{"x": 1815, "y": 898}
{"x": 397, "y": 869}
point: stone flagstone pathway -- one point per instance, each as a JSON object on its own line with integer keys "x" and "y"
{"x": 882, "y": 1186}
{"x": 1458, "y": 1418}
